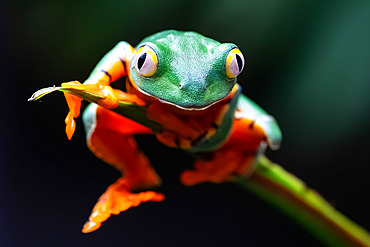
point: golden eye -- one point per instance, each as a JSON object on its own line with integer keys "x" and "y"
{"x": 146, "y": 62}
{"x": 234, "y": 63}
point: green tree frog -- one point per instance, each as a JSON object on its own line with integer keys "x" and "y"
{"x": 187, "y": 83}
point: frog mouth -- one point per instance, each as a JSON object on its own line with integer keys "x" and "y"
{"x": 187, "y": 101}
{"x": 184, "y": 107}
{"x": 228, "y": 97}
{"x": 177, "y": 105}
{"x": 191, "y": 107}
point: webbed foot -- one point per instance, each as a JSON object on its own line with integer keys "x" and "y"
{"x": 225, "y": 165}
{"x": 117, "y": 198}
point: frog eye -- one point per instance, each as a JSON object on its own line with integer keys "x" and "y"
{"x": 146, "y": 61}
{"x": 234, "y": 63}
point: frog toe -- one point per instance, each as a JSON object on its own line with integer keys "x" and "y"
{"x": 116, "y": 199}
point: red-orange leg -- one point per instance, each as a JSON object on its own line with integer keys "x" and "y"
{"x": 111, "y": 67}
{"x": 110, "y": 139}
{"x": 233, "y": 158}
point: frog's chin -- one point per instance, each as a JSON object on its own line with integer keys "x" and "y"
{"x": 190, "y": 108}
{"x": 179, "y": 106}
{"x": 182, "y": 107}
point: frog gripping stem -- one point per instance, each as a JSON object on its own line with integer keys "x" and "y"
{"x": 199, "y": 109}
{"x": 109, "y": 100}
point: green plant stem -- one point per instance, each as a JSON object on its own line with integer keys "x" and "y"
{"x": 290, "y": 195}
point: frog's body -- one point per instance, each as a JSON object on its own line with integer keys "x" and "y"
{"x": 187, "y": 83}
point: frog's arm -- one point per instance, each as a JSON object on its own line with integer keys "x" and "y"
{"x": 203, "y": 133}
{"x": 248, "y": 109}
{"x": 111, "y": 67}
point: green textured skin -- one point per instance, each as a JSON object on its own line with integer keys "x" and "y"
{"x": 189, "y": 59}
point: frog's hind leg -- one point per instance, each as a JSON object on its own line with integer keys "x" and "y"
{"x": 109, "y": 137}
{"x": 234, "y": 158}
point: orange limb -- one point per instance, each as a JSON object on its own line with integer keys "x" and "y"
{"x": 111, "y": 141}
{"x": 109, "y": 72}
{"x": 184, "y": 128}
{"x": 110, "y": 120}
{"x": 113, "y": 65}
{"x": 117, "y": 198}
{"x": 109, "y": 69}
{"x": 74, "y": 102}
{"x": 127, "y": 97}
{"x": 158, "y": 112}
{"x": 234, "y": 158}
{"x": 74, "y": 105}
{"x": 111, "y": 100}
{"x": 246, "y": 135}
{"x": 171, "y": 139}
{"x": 224, "y": 165}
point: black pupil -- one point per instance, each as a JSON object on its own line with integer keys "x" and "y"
{"x": 239, "y": 61}
{"x": 141, "y": 60}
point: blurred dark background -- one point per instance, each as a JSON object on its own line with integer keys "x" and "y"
{"x": 307, "y": 63}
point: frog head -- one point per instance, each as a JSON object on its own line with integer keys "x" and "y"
{"x": 185, "y": 69}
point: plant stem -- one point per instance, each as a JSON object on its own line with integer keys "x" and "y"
{"x": 304, "y": 205}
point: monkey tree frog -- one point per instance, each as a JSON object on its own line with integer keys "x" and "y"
{"x": 187, "y": 84}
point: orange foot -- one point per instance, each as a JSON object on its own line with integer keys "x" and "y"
{"x": 110, "y": 100}
{"x": 117, "y": 198}
{"x": 225, "y": 165}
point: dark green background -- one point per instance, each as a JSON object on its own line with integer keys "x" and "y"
{"x": 307, "y": 63}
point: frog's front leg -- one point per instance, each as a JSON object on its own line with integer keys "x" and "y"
{"x": 112, "y": 67}
{"x": 109, "y": 137}
{"x": 185, "y": 131}
{"x": 234, "y": 158}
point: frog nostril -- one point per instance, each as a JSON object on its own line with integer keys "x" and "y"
{"x": 192, "y": 85}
